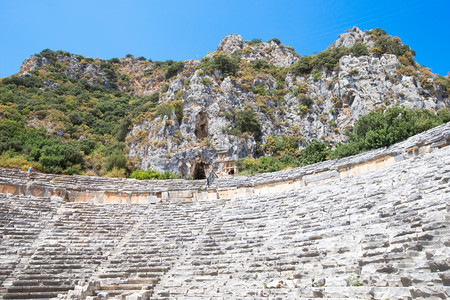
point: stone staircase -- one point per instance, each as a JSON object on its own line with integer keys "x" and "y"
{"x": 164, "y": 233}
{"x": 69, "y": 249}
{"x": 22, "y": 220}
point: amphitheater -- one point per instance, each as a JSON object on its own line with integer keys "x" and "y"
{"x": 371, "y": 226}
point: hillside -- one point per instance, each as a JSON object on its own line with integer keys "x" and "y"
{"x": 72, "y": 114}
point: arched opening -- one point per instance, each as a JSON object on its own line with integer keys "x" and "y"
{"x": 199, "y": 171}
{"x": 201, "y": 128}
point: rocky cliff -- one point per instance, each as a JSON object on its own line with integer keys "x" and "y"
{"x": 193, "y": 130}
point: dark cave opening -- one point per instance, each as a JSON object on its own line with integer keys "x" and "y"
{"x": 201, "y": 128}
{"x": 199, "y": 171}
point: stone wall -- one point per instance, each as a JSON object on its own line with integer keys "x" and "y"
{"x": 373, "y": 226}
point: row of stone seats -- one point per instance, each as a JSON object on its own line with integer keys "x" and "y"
{"x": 78, "y": 243}
{"x": 379, "y": 235}
{"x": 164, "y": 234}
{"x": 434, "y": 138}
{"x": 18, "y": 178}
{"x": 70, "y": 248}
{"x": 22, "y": 219}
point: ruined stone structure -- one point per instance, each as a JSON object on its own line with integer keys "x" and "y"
{"x": 375, "y": 225}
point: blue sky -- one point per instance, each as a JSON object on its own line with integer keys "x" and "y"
{"x": 179, "y": 30}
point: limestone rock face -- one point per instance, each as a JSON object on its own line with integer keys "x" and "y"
{"x": 33, "y": 62}
{"x": 277, "y": 55}
{"x": 93, "y": 73}
{"x": 362, "y": 84}
{"x": 141, "y": 77}
{"x": 230, "y": 44}
{"x": 196, "y": 143}
{"x": 352, "y": 37}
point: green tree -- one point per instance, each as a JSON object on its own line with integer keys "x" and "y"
{"x": 359, "y": 49}
{"x": 258, "y": 165}
{"x": 117, "y": 160}
{"x": 313, "y": 153}
{"x": 152, "y": 174}
{"x": 29, "y": 81}
{"x": 247, "y": 121}
{"x": 254, "y": 42}
{"x": 303, "y": 66}
{"x": 227, "y": 65}
{"x": 259, "y": 64}
{"x": 380, "y": 129}
{"x": 275, "y": 40}
{"x": 61, "y": 158}
{"x": 284, "y": 147}
{"x": 173, "y": 69}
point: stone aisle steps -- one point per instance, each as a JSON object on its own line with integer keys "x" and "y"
{"x": 23, "y": 220}
{"x": 221, "y": 249}
{"x": 73, "y": 246}
{"x": 164, "y": 235}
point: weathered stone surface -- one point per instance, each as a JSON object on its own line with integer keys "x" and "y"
{"x": 353, "y": 36}
{"x": 92, "y": 73}
{"x": 361, "y": 84}
{"x": 230, "y": 44}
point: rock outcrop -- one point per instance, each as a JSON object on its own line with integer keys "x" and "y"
{"x": 272, "y": 52}
{"x": 361, "y": 85}
{"x": 353, "y": 36}
{"x": 231, "y": 44}
{"x": 337, "y": 99}
{"x": 73, "y": 68}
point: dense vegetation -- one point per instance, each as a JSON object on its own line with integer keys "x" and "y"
{"x": 246, "y": 121}
{"x": 220, "y": 61}
{"x": 379, "y": 129}
{"x": 375, "y": 130}
{"x": 152, "y": 174}
{"x": 63, "y": 125}
{"x": 327, "y": 59}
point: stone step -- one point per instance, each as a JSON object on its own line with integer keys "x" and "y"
{"x": 33, "y": 295}
{"x": 123, "y": 275}
{"x": 45, "y": 282}
{"x": 38, "y": 288}
{"x": 122, "y": 286}
{"x": 114, "y": 293}
{"x": 53, "y": 267}
{"x": 143, "y": 281}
